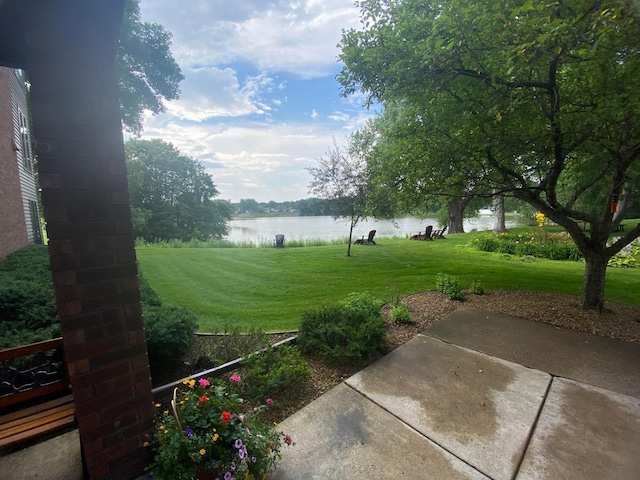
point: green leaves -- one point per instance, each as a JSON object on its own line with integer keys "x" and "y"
{"x": 172, "y": 194}
{"x": 147, "y": 72}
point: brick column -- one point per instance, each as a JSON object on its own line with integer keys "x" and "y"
{"x": 76, "y": 119}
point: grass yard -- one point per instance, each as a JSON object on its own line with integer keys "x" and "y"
{"x": 269, "y": 288}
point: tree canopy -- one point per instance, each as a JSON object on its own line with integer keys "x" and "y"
{"x": 541, "y": 97}
{"x": 147, "y": 72}
{"x": 172, "y": 195}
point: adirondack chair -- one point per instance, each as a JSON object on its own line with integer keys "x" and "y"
{"x": 440, "y": 233}
{"x": 424, "y": 236}
{"x": 279, "y": 241}
{"x": 367, "y": 241}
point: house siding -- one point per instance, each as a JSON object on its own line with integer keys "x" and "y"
{"x": 19, "y": 216}
{"x": 13, "y": 227}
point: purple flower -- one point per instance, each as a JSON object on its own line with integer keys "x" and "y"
{"x": 188, "y": 432}
{"x": 238, "y": 443}
{"x": 232, "y": 466}
{"x": 254, "y": 459}
{"x": 287, "y": 439}
{"x": 242, "y": 452}
{"x": 227, "y": 476}
{"x": 269, "y": 401}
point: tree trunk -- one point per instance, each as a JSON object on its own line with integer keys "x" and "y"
{"x": 350, "y": 235}
{"x": 499, "y": 225}
{"x": 594, "y": 281}
{"x": 455, "y": 212}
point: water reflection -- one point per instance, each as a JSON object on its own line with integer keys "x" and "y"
{"x": 263, "y": 230}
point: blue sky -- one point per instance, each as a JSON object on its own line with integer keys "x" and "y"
{"x": 260, "y": 101}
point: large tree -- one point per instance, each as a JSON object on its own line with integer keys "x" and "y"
{"x": 147, "y": 72}
{"x": 172, "y": 195}
{"x": 548, "y": 92}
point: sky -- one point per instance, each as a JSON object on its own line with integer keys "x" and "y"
{"x": 260, "y": 101}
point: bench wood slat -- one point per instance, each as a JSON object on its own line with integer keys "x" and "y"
{"x": 36, "y": 431}
{"x": 34, "y": 421}
{"x": 25, "y": 412}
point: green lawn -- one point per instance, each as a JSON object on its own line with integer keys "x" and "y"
{"x": 269, "y": 288}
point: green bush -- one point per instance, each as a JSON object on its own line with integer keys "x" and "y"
{"x": 450, "y": 286}
{"x": 525, "y": 249}
{"x": 362, "y": 302}
{"x": 486, "y": 243}
{"x": 169, "y": 330}
{"x": 353, "y": 329}
{"x": 401, "y": 314}
{"x": 272, "y": 369}
{"x": 477, "y": 288}
{"x": 28, "y": 310}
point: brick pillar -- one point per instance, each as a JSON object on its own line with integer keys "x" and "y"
{"x": 76, "y": 119}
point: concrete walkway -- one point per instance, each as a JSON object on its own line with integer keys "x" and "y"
{"x": 532, "y": 406}
{"x": 478, "y": 396}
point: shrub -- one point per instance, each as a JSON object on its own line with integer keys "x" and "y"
{"x": 450, "y": 286}
{"x": 271, "y": 369}
{"x": 486, "y": 243}
{"x": 28, "y": 310}
{"x": 147, "y": 293}
{"x": 477, "y": 288}
{"x": 169, "y": 330}
{"x": 400, "y": 313}
{"x": 361, "y": 302}
{"x": 353, "y": 329}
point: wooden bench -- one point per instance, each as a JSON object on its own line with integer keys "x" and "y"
{"x": 35, "y": 397}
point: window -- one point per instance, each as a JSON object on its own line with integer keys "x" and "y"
{"x": 25, "y": 142}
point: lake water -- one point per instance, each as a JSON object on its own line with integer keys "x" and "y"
{"x": 264, "y": 229}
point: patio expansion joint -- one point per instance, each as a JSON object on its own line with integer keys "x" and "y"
{"x": 534, "y": 425}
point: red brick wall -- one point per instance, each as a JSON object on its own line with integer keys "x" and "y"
{"x": 13, "y": 229}
{"x": 76, "y": 123}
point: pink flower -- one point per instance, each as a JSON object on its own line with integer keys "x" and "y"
{"x": 269, "y": 401}
{"x": 203, "y": 382}
{"x": 235, "y": 378}
{"x": 288, "y": 440}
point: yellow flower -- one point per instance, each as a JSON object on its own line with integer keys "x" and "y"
{"x": 215, "y": 437}
{"x": 145, "y": 444}
{"x": 166, "y": 412}
{"x": 161, "y": 427}
{"x": 157, "y": 405}
{"x": 192, "y": 383}
{"x": 202, "y": 451}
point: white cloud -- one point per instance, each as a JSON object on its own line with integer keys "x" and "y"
{"x": 263, "y": 161}
{"x": 213, "y": 92}
{"x": 233, "y": 123}
{"x": 298, "y": 38}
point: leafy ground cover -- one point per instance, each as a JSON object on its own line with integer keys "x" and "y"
{"x": 270, "y": 288}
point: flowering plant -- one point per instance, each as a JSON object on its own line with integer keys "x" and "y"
{"x": 205, "y": 434}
